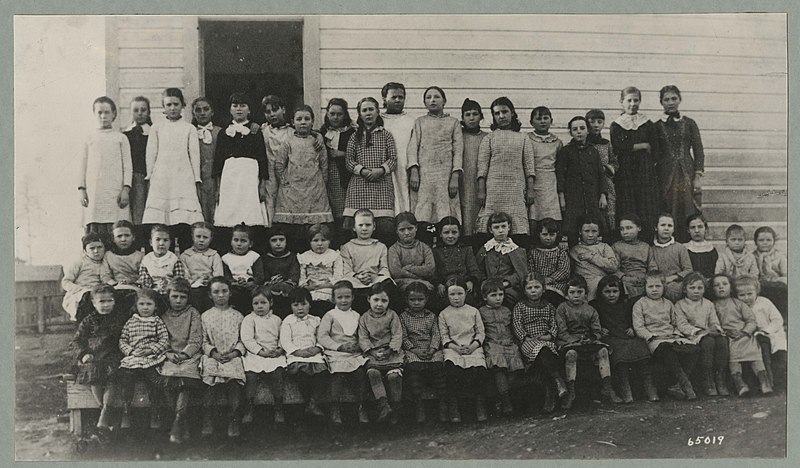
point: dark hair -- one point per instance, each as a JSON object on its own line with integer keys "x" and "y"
{"x": 447, "y": 221}
{"x": 405, "y": 216}
{"x": 162, "y": 228}
{"x": 123, "y": 223}
{"x": 149, "y": 294}
{"x": 595, "y": 114}
{"x": 417, "y": 287}
{"x": 173, "y": 92}
{"x": 101, "y": 288}
{"x": 219, "y": 279}
{"x": 733, "y": 228}
{"x": 455, "y": 281}
{"x": 499, "y": 217}
{"x": 441, "y": 91}
{"x": 665, "y": 214}
{"x": 378, "y": 288}
{"x": 656, "y": 274}
{"x": 363, "y": 131}
{"x": 262, "y": 290}
{"x": 202, "y": 99}
{"x": 110, "y": 102}
{"x": 276, "y": 231}
{"x": 762, "y": 230}
{"x": 731, "y": 281}
{"x": 272, "y": 101}
{"x": 610, "y": 280}
{"x": 343, "y": 284}
{"x": 336, "y": 102}
{"x": 630, "y": 90}
{"x": 588, "y": 219}
{"x": 389, "y": 86}
{"x": 91, "y": 237}
{"x": 575, "y": 119}
{"x": 304, "y": 108}
{"x": 319, "y": 228}
{"x": 632, "y": 217}
{"x": 692, "y": 278}
{"x": 469, "y": 104}
{"x": 179, "y": 285}
{"x": 540, "y": 110}
{"x": 577, "y": 281}
{"x": 534, "y": 276}
{"x": 552, "y": 226}
{"x": 669, "y": 89}
{"x": 492, "y": 285}
{"x": 202, "y": 225}
{"x": 146, "y": 101}
{"x": 364, "y": 212}
{"x": 300, "y": 295}
{"x": 696, "y": 216}
{"x": 243, "y": 228}
{"x": 504, "y": 101}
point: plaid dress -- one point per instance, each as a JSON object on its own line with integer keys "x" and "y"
{"x": 530, "y": 320}
{"x": 143, "y": 333}
{"x": 336, "y": 140}
{"x": 553, "y": 265}
{"x": 421, "y": 332}
{"x": 377, "y": 196}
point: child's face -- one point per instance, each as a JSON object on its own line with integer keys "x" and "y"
{"x": 277, "y": 244}
{"x": 240, "y": 243}
{"x": 697, "y": 230}
{"x": 533, "y": 290}
{"x": 379, "y": 303}
{"x": 654, "y": 288}
{"x": 395, "y": 100}
{"x": 722, "y": 287}
{"x": 201, "y": 239}
{"x": 579, "y": 130}
{"x": 203, "y": 112}
{"x": 103, "y": 303}
{"x": 610, "y": 293}
{"x": 471, "y": 118}
{"x": 670, "y": 102}
{"x": 369, "y": 113}
{"x": 261, "y": 305}
{"x": 343, "y": 298}
{"x": 576, "y": 295}
{"x": 502, "y": 116}
{"x": 95, "y": 250}
{"x": 765, "y": 242}
{"x": 416, "y": 301}
{"x": 548, "y": 239}
{"x": 140, "y": 112}
{"x": 159, "y": 241}
{"x": 596, "y": 125}
{"x": 220, "y": 294}
{"x": 630, "y": 103}
{"x": 123, "y": 238}
{"x": 104, "y": 114}
{"x": 434, "y": 101}
{"x": 336, "y": 116}
{"x": 450, "y": 234}
{"x": 240, "y": 111}
{"x": 178, "y": 300}
{"x": 747, "y": 293}
{"x": 457, "y": 295}
{"x": 541, "y": 123}
{"x": 694, "y": 291}
{"x": 145, "y": 306}
{"x": 319, "y": 244}
{"x": 500, "y": 231}
{"x": 364, "y": 227}
{"x": 665, "y": 228}
{"x": 303, "y": 121}
{"x": 735, "y": 241}
{"x": 300, "y": 309}
{"x": 172, "y": 107}
{"x": 276, "y": 116}
{"x": 406, "y": 232}
{"x": 589, "y": 233}
{"x": 628, "y": 230}
{"x": 495, "y": 298}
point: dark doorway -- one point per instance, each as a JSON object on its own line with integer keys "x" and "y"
{"x": 254, "y": 57}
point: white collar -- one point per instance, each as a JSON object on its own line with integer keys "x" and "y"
{"x": 503, "y": 248}
{"x": 631, "y": 122}
{"x": 549, "y": 138}
{"x": 699, "y": 247}
{"x": 664, "y": 245}
{"x": 236, "y": 127}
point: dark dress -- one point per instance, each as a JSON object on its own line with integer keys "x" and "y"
{"x": 138, "y": 194}
{"x": 98, "y": 335}
{"x": 616, "y": 318}
{"x": 580, "y": 176}
{"x": 704, "y": 262}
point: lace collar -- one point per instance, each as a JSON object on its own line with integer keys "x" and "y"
{"x": 631, "y": 122}
{"x": 549, "y": 138}
{"x": 502, "y": 248}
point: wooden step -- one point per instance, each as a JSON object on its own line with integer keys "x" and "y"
{"x": 757, "y": 194}
{"x": 738, "y": 213}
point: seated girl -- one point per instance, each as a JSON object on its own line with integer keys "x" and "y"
{"x": 82, "y": 276}
{"x": 453, "y": 258}
{"x": 409, "y": 259}
{"x": 550, "y": 260}
{"x": 320, "y": 268}
{"x": 501, "y": 258}
{"x": 592, "y": 259}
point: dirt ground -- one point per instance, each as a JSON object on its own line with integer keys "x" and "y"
{"x": 751, "y": 427}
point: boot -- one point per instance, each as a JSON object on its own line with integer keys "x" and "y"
{"x": 176, "y": 433}
{"x": 686, "y": 386}
{"x": 764, "y": 380}
{"x": 420, "y": 410}
{"x": 125, "y": 422}
{"x": 248, "y": 412}
{"x": 480, "y": 408}
{"x": 363, "y": 417}
{"x": 208, "y": 423}
{"x": 505, "y": 403}
{"x": 625, "y": 388}
{"x": 708, "y": 383}
{"x": 336, "y": 413}
{"x": 549, "y": 399}
{"x": 442, "y": 410}
{"x": 155, "y": 418}
{"x": 569, "y": 398}
{"x": 279, "y": 417}
{"x": 608, "y": 393}
{"x": 103, "y": 422}
{"x": 722, "y": 385}
{"x": 384, "y": 410}
{"x": 455, "y": 415}
{"x": 741, "y": 388}
{"x": 561, "y": 386}
{"x": 233, "y": 427}
{"x": 675, "y": 391}
{"x": 313, "y": 409}
{"x": 649, "y": 386}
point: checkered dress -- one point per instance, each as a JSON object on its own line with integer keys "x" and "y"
{"x": 336, "y": 140}
{"x": 143, "y": 333}
{"x": 553, "y": 264}
{"x": 377, "y": 196}
{"x": 531, "y": 320}
{"x": 421, "y": 331}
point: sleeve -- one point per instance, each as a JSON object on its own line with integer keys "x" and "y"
{"x": 239, "y": 346}
{"x": 637, "y": 318}
{"x": 189, "y": 275}
{"x": 127, "y": 162}
{"x": 384, "y": 263}
{"x": 258, "y": 272}
{"x": 774, "y": 318}
{"x": 363, "y": 334}
{"x": 613, "y": 160}
{"x": 407, "y": 344}
{"x": 444, "y": 331}
{"x": 70, "y": 275}
{"x": 697, "y": 148}
{"x": 282, "y": 160}
{"x": 685, "y": 262}
{"x": 516, "y": 322}
{"x": 194, "y": 153}
{"x": 396, "y": 343}
{"x": 178, "y": 269}
{"x": 458, "y": 148}
{"x": 208, "y": 345}
{"x": 595, "y": 324}
{"x": 322, "y": 159}
{"x": 561, "y": 169}
{"x": 528, "y": 161}
{"x": 562, "y": 336}
{"x": 412, "y": 151}
{"x": 520, "y": 263}
{"x": 651, "y": 259}
{"x": 720, "y": 267}
{"x": 553, "y": 324}
{"x": 480, "y": 331}
{"x": 286, "y": 337}
{"x": 428, "y": 267}
{"x": 324, "y": 338}
{"x": 395, "y": 266}
{"x": 351, "y": 160}
{"x": 220, "y": 154}
{"x": 619, "y": 142}
{"x": 84, "y": 164}
{"x": 682, "y": 322}
{"x": 248, "y": 335}
{"x": 226, "y": 271}
{"x": 606, "y": 260}
{"x": 195, "y": 341}
{"x": 217, "y": 268}
{"x": 391, "y": 154}
{"x": 601, "y": 172}
{"x": 480, "y": 259}
{"x": 782, "y": 267}
{"x": 145, "y": 280}
{"x": 80, "y": 342}
{"x": 125, "y": 339}
{"x": 713, "y": 319}
{"x": 484, "y": 157}
{"x": 261, "y": 157}
{"x": 652, "y": 133}
{"x": 151, "y": 153}
{"x": 347, "y": 262}
{"x": 751, "y": 267}
{"x": 303, "y": 281}
{"x": 162, "y": 345}
{"x": 749, "y": 318}
{"x": 473, "y": 271}
{"x": 436, "y": 337}
{"x": 294, "y": 271}
{"x": 562, "y": 270}
{"x": 338, "y": 269}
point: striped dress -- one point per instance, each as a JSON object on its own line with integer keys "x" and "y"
{"x": 377, "y": 196}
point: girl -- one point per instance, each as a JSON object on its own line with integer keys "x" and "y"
{"x": 702, "y": 253}
{"x": 202, "y": 263}
{"x": 462, "y": 332}
{"x": 281, "y": 270}
{"x": 627, "y": 350}
{"x": 84, "y": 275}
{"x": 705, "y": 331}
{"x": 221, "y": 364}
{"x": 399, "y": 124}
{"x": 634, "y": 139}
{"x": 545, "y": 146}
{"x": 409, "y": 259}
{"x": 137, "y": 134}
{"x": 243, "y": 268}
{"x": 471, "y": 117}
{"x": 304, "y": 359}
{"x": 740, "y": 325}
{"x": 161, "y": 265}
{"x": 501, "y": 258}
{"x": 380, "y": 336}
{"x": 435, "y": 154}
{"x": 502, "y": 354}
{"x": 371, "y": 157}
{"x": 451, "y": 258}
{"x": 364, "y": 259}
{"x": 597, "y": 120}
{"x": 422, "y": 345}
{"x": 580, "y": 179}
{"x": 173, "y": 170}
{"x": 501, "y": 185}
{"x": 773, "y": 268}
{"x": 655, "y": 321}
{"x": 240, "y": 170}
{"x": 121, "y": 264}
{"x": 680, "y": 164}
{"x": 338, "y": 335}
{"x": 550, "y": 260}
{"x": 180, "y": 374}
{"x": 534, "y": 322}
{"x": 671, "y": 258}
{"x": 143, "y": 343}
{"x": 591, "y": 259}
{"x": 106, "y": 172}
{"x": 207, "y": 133}
{"x": 263, "y": 359}
{"x": 635, "y": 256}
{"x": 337, "y": 131}
{"x": 95, "y": 348}
{"x": 274, "y": 131}
{"x": 320, "y": 268}
{"x": 302, "y": 172}
{"x": 771, "y": 335}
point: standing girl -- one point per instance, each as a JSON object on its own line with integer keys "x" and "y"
{"x": 207, "y": 133}
{"x": 671, "y": 258}
{"x": 501, "y": 258}
{"x": 702, "y": 253}
{"x": 501, "y": 184}
{"x": 337, "y": 131}
{"x": 545, "y": 147}
{"x": 634, "y": 139}
{"x": 320, "y": 268}
{"x": 680, "y": 164}
{"x": 173, "y": 170}
{"x": 452, "y": 258}
{"x": 471, "y": 117}
{"x": 399, "y": 124}
{"x": 435, "y": 154}
{"x": 106, "y": 172}
{"x": 137, "y": 134}
{"x": 635, "y": 256}
{"x": 597, "y": 121}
